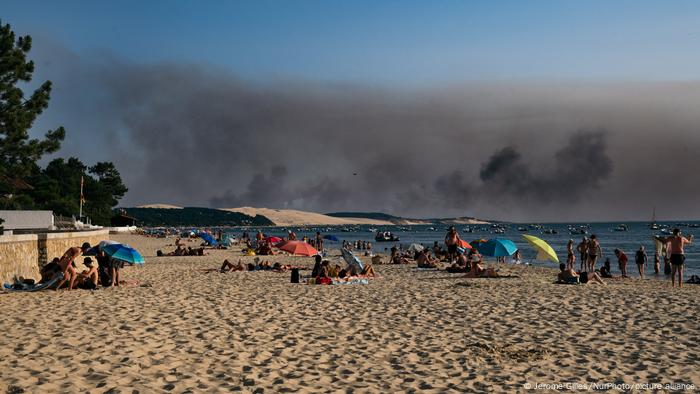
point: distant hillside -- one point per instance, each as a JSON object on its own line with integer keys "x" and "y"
{"x": 292, "y": 217}
{"x": 406, "y": 221}
{"x": 366, "y": 215}
{"x": 189, "y": 216}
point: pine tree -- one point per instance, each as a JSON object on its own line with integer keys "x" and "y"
{"x": 19, "y": 153}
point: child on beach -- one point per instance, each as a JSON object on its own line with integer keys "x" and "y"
{"x": 570, "y": 257}
{"x": 622, "y": 262}
{"x": 640, "y": 257}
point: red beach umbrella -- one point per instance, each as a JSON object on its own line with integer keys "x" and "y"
{"x": 273, "y": 240}
{"x": 299, "y": 248}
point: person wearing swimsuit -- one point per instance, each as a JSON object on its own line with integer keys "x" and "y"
{"x": 675, "y": 244}
{"x": 570, "y": 257}
{"x": 582, "y": 247}
{"x": 594, "y": 252}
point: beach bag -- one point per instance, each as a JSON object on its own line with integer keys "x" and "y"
{"x": 295, "y": 275}
{"x": 667, "y": 268}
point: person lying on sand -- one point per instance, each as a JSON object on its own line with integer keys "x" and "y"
{"x": 569, "y": 276}
{"x": 66, "y": 264}
{"x": 479, "y": 271}
{"x": 227, "y": 266}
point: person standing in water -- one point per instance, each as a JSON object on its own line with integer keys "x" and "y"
{"x": 582, "y": 249}
{"x": 594, "y": 252}
{"x": 641, "y": 259}
{"x": 319, "y": 241}
{"x": 676, "y": 242}
{"x": 570, "y": 257}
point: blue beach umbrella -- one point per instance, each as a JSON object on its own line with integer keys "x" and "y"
{"x": 498, "y": 247}
{"x": 124, "y": 253}
{"x": 93, "y": 251}
{"x": 331, "y": 238}
{"x": 207, "y": 237}
{"x": 352, "y": 260}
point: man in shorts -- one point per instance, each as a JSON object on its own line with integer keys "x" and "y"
{"x": 452, "y": 242}
{"x": 66, "y": 265}
{"x": 675, "y": 244}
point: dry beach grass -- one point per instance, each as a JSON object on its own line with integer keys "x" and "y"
{"x": 408, "y": 330}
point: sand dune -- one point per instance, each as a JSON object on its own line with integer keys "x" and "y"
{"x": 290, "y": 217}
{"x": 407, "y": 331}
{"x": 161, "y": 206}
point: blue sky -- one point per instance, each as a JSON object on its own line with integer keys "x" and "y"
{"x": 386, "y": 42}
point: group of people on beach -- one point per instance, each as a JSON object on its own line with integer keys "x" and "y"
{"x": 106, "y": 273}
{"x": 590, "y": 251}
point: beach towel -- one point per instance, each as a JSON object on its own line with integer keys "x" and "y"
{"x": 24, "y": 287}
{"x": 351, "y": 281}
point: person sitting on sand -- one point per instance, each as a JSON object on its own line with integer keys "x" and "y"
{"x": 605, "y": 269}
{"x": 227, "y": 266}
{"x": 66, "y": 264}
{"x": 265, "y": 249}
{"x": 333, "y": 270}
{"x": 424, "y": 260}
{"x": 49, "y": 271}
{"x": 569, "y": 276}
{"x": 317, "y": 266}
{"x": 460, "y": 265}
{"x": 88, "y": 278}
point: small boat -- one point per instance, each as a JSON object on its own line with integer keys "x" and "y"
{"x": 522, "y": 229}
{"x": 621, "y": 227}
{"x": 653, "y": 225}
{"x": 550, "y": 231}
{"x": 385, "y": 236}
{"x": 372, "y": 230}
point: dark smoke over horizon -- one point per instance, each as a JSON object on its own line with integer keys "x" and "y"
{"x": 196, "y": 135}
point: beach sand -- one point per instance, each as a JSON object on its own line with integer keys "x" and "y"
{"x": 408, "y": 330}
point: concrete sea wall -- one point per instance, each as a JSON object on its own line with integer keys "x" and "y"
{"x": 23, "y": 255}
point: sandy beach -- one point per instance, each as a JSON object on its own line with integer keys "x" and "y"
{"x": 183, "y": 330}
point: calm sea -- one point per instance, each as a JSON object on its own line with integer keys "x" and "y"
{"x": 629, "y": 241}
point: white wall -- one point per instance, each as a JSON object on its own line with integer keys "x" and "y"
{"x": 20, "y": 220}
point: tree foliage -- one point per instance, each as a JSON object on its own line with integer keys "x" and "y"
{"x": 57, "y": 188}
{"x": 19, "y": 153}
{"x": 191, "y": 216}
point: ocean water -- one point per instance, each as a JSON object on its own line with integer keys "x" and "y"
{"x": 638, "y": 233}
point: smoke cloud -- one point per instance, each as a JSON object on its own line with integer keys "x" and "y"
{"x": 196, "y": 135}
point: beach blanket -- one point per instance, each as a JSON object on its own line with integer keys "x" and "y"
{"x": 351, "y": 281}
{"x": 23, "y": 287}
